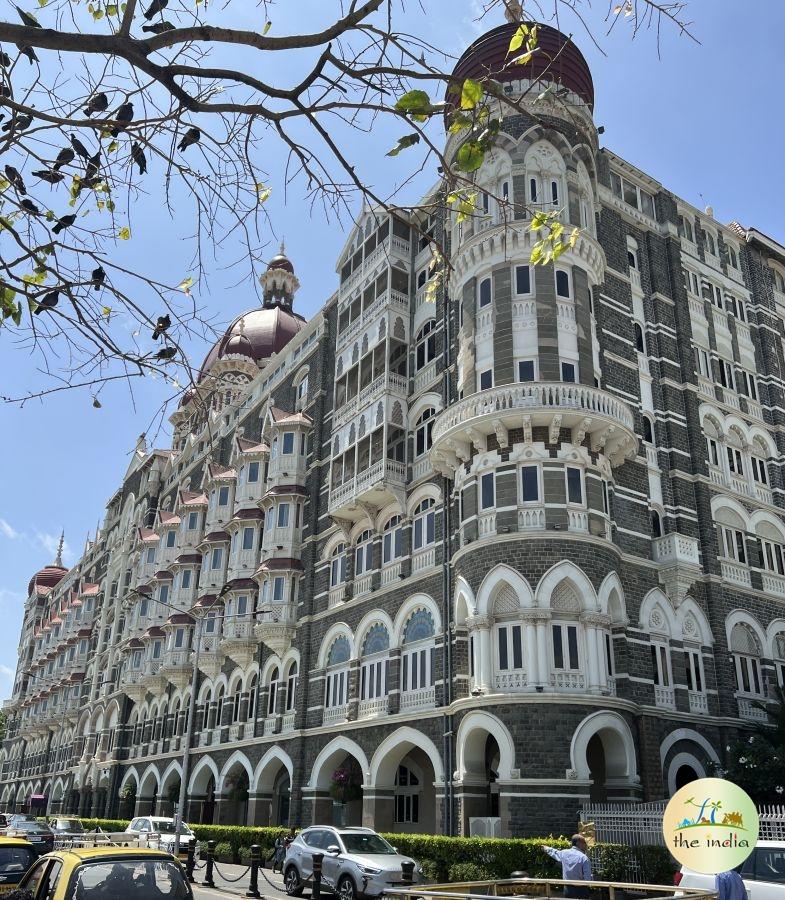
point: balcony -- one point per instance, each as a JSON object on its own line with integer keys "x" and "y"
{"x": 269, "y": 724}
{"x": 590, "y": 411}
{"x": 736, "y": 573}
{"x": 276, "y": 626}
{"x": 394, "y": 299}
{"x": 237, "y": 731}
{"x": 154, "y": 679}
{"x": 287, "y": 723}
{"x": 373, "y": 707}
{"x": 376, "y": 486}
{"x": 211, "y": 658}
{"x": 336, "y": 595}
{"x": 335, "y": 714}
{"x": 748, "y": 710}
{"x": 510, "y": 682}
{"x": 425, "y": 377}
{"x": 423, "y": 560}
{"x": 386, "y": 383}
{"x": 568, "y": 681}
{"x": 177, "y": 667}
{"x": 239, "y": 641}
{"x": 132, "y": 684}
{"x": 675, "y": 548}
{"x": 664, "y": 696}
{"x": 284, "y": 541}
{"x": 423, "y": 698}
{"x": 242, "y": 564}
{"x": 699, "y": 702}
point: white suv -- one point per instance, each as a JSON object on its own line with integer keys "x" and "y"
{"x": 763, "y": 873}
{"x": 159, "y": 832}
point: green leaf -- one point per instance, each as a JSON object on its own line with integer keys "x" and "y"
{"x": 97, "y": 15}
{"x": 408, "y": 140}
{"x": 536, "y": 254}
{"x": 518, "y": 38}
{"x": 124, "y": 233}
{"x": 267, "y": 27}
{"x": 470, "y": 157}
{"x": 111, "y": 9}
{"x": 263, "y": 192}
{"x": 574, "y": 235}
{"x": 539, "y": 221}
{"x": 106, "y": 311}
{"x": 9, "y": 308}
{"x": 185, "y": 284}
{"x": 459, "y": 122}
{"x": 471, "y": 94}
{"x": 415, "y": 103}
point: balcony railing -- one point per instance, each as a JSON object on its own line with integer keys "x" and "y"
{"x": 676, "y": 548}
{"x": 423, "y": 559}
{"x": 383, "y": 476}
{"x": 508, "y": 682}
{"x": 608, "y": 420}
{"x": 738, "y": 573}
{"x": 568, "y": 681}
{"x": 664, "y": 696}
{"x": 748, "y": 710}
{"x": 699, "y": 702}
{"x": 287, "y": 723}
{"x": 334, "y": 714}
{"x": 376, "y": 706}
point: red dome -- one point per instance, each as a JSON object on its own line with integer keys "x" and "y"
{"x": 257, "y": 334}
{"x": 564, "y": 62}
{"x": 48, "y": 577}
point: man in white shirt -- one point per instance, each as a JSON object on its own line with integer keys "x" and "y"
{"x": 575, "y": 865}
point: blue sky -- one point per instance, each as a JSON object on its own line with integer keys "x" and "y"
{"x": 705, "y": 119}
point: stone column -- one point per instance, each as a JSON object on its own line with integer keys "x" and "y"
{"x": 543, "y": 666}
{"x": 592, "y": 673}
{"x": 529, "y": 620}
{"x": 379, "y": 808}
{"x": 259, "y": 809}
{"x": 483, "y": 662}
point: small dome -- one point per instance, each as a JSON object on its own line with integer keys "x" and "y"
{"x": 281, "y": 261}
{"x": 48, "y": 577}
{"x": 257, "y": 334}
{"x": 557, "y": 60}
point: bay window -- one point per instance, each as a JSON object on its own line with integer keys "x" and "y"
{"x": 424, "y": 524}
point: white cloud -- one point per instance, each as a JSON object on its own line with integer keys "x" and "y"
{"x": 7, "y": 530}
{"x": 6, "y": 672}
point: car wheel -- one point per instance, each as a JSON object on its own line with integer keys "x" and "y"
{"x": 291, "y": 882}
{"x": 347, "y": 889}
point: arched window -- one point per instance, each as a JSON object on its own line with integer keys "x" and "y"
{"x": 272, "y": 694}
{"x": 710, "y": 243}
{"x": 424, "y": 525}
{"x": 425, "y": 345}
{"x": 732, "y": 540}
{"x": 252, "y": 691}
{"x": 236, "y": 701}
{"x": 758, "y": 464}
{"x": 685, "y": 228}
{"x": 562, "y": 283}
{"x": 778, "y": 279}
{"x": 656, "y": 524}
{"x": 392, "y": 540}
{"x": 632, "y": 253}
{"x": 422, "y": 433}
{"x": 291, "y": 686}
{"x": 417, "y": 658}
{"x": 338, "y": 565}
{"x": 219, "y": 707}
{"x": 374, "y": 668}
{"x": 566, "y": 608}
{"x": 508, "y": 639}
{"x": 640, "y": 346}
{"x": 779, "y": 657}
{"x": 363, "y": 553}
{"x": 648, "y": 431}
{"x": 746, "y": 650}
{"x": 772, "y": 551}
{"x": 336, "y": 689}
{"x": 302, "y": 391}
{"x": 484, "y": 293}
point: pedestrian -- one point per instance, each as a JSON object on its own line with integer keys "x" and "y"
{"x": 730, "y": 886}
{"x": 575, "y": 866}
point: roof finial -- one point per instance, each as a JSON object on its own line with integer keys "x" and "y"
{"x": 282, "y": 249}
{"x": 241, "y": 325}
{"x": 59, "y": 557}
{"x": 513, "y": 11}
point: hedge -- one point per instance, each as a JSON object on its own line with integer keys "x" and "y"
{"x": 447, "y": 857}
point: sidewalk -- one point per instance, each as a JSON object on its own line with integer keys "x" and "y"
{"x": 238, "y": 888}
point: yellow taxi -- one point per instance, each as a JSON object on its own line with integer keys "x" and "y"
{"x": 107, "y": 873}
{"x": 16, "y": 857}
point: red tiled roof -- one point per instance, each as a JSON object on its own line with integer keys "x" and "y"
{"x": 283, "y": 489}
{"x": 207, "y": 600}
{"x": 169, "y": 518}
{"x": 154, "y": 632}
{"x": 187, "y": 559}
{"x": 239, "y": 584}
{"x": 148, "y": 536}
{"x": 215, "y": 537}
{"x": 179, "y": 619}
{"x": 193, "y": 498}
{"x": 134, "y": 644}
{"x": 244, "y": 445}
{"x": 216, "y": 472}
{"x": 281, "y": 417}
{"x": 164, "y": 575}
{"x": 89, "y": 590}
{"x": 243, "y": 515}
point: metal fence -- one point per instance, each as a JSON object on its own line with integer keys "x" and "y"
{"x": 636, "y": 824}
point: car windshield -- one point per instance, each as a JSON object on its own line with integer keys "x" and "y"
{"x": 168, "y": 828}
{"x": 359, "y": 842}
{"x": 32, "y": 826}
{"x": 69, "y": 825}
{"x": 15, "y": 859}
{"x": 129, "y": 880}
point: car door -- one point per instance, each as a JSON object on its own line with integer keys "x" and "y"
{"x": 42, "y": 879}
{"x": 747, "y": 872}
{"x": 331, "y": 864}
{"x": 769, "y": 873}
{"x": 311, "y": 843}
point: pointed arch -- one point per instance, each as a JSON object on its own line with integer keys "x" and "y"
{"x": 688, "y": 613}
{"x": 237, "y": 758}
{"x": 150, "y": 778}
{"x": 267, "y": 770}
{"x": 566, "y": 571}
{"x": 174, "y": 768}
{"x": 201, "y": 775}
{"x": 499, "y": 575}
{"x": 388, "y": 755}
{"x": 610, "y": 598}
{"x": 465, "y": 604}
{"x": 618, "y": 743}
{"x": 657, "y": 615}
{"x": 331, "y": 755}
{"x": 470, "y": 741}
{"x": 130, "y": 775}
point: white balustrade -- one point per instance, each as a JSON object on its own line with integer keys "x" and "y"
{"x": 651, "y": 457}
{"x": 635, "y": 278}
{"x": 486, "y": 524}
{"x": 384, "y": 470}
{"x": 422, "y": 468}
{"x": 763, "y": 493}
{"x": 362, "y": 585}
{"x": 336, "y": 595}
{"x": 333, "y": 714}
{"x": 697, "y": 308}
{"x": 391, "y": 573}
{"x": 568, "y": 681}
{"x": 287, "y": 723}
{"x": 748, "y": 710}
{"x": 664, "y": 696}
{"x": 730, "y": 398}
{"x": 269, "y": 725}
{"x": 773, "y": 584}
{"x": 423, "y": 559}
{"x": 425, "y": 377}
{"x": 577, "y": 520}
{"x": 531, "y": 518}
{"x": 423, "y": 698}
{"x": 699, "y": 702}
{"x": 376, "y": 706}
{"x": 676, "y": 548}
{"x": 510, "y": 681}
{"x": 706, "y": 386}
{"x": 738, "y": 573}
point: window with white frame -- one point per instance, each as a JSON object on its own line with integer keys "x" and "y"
{"x": 283, "y": 515}
{"x": 574, "y": 482}
{"x": 216, "y": 560}
{"x": 425, "y": 345}
{"x": 487, "y": 490}
{"x": 291, "y": 686}
{"x": 392, "y": 540}
{"x": 486, "y": 380}
{"x": 746, "y": 650}
{"x": 338, "y": 565}
{"x": 732, "y": 543}
{"x": 661, "y": 662}
{"x": 336, "y": 687}
{"x": 709, "y": 242}
{"x": 527, "y": 370}
{"x": 702, "y": 363}
{"x": 693, "y": 659}
{"x": 287, "y": 445}
{"x": 727, "y": 379}
{"x": 509, "y": 647}
{"x": 779, "y": 657}
{"x": 760, "y": 472}
{"x": 746, "y": 384}
{"x": 530, "y": 484}
{"x": 633, "y": 195}
{"x": 736, "y": 307}
{"x": 407, "y": 796}
{"x": 223, "y": 495}
{"x": 363, "y": 553}
{"x": 778, "y": 279}
{"x": 735, "y": 460}
{"x": 685, "y": 229}
{"x": 771, "y": 555}
{"x": 272, "y": 692}
{"x": 302, "y": 390}
{"x": 250, "y": 713}
{"x": 375, "y": 663}
{"x": 422, "y": 431}
{"x": 484, "y": 295}
{"x": 568, "y": 371}
{"x": 564, "y": 639}
{"x": 193, "y": 521}
{"x": 417, "y": 656}
{"x": 424, "y": 524}
{"x": 632, "y": 253}
{"x": 563, "y": 284}
{"x": 523, "y": 281}
{"x": 248, "y": 538}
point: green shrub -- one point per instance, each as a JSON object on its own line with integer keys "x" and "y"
{"x": 466, "y": 871}
{"x": 430, "y": 870}
{"x": 224, "y": 851}
{"x": 245, "y": 855}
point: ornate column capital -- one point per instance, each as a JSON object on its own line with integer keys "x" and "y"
{"x": 535, "y": 615}
{"x": 478, "y": 622}
{"x": 595, "y": 620}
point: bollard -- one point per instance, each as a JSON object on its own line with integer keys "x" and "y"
{"x": 253, "y": 887}
{"x": 316, "y": 890}
{"x": 407, "y": 872}
{"x": 208, "y": 875}
{"x": 190, "y": 861}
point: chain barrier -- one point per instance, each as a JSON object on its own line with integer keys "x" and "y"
{"x": 230, "y": 880}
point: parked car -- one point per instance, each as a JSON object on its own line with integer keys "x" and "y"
{"x": 39, "y": 834}
{"x": 763, "y": 873}
{"x": 107, "y": 872}
{"x": 357, "y": 862}
{"x": 4, "y": 817}
{"x": 64, "y": 826}
{"x": 16, "y": 857}
{"x": 159, "y": 831}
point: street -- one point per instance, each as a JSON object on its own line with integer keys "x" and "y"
{"x": 269, "y": 885}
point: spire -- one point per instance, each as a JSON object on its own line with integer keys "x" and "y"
{"x": 513, "y": 11}
{"x": 59, "y": 557}
{"x": 282, "y": 248}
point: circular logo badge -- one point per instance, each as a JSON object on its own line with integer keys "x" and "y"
{"x": 710, "y": 825}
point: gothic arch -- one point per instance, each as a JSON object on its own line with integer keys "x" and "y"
{"x": 330, "y": 756}
{"x": 499, "y": 575}
{"x": 657, "y": 615}
{"x": 200, "y": 776}
{"x": 268, "y": 768}
{"x": 566, "y": 571}
{"x": 691, "y": 618}
{"x": 238, "y": 757}
{"x": 472, "y": 733}
{"x": 148, "y": 780}
{"x": 464, "y": 601}
{"x": 388, "y": 755}
{"x": 618, "y": 743}
{"x": 130, "y": 775}
{"x": 611, "y": 599}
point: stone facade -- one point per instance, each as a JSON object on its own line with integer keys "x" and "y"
{"x": 453, "y": 561}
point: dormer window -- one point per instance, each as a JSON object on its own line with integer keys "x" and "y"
{"x": 170, "y": 538}
{"x": 223, "y": 496}
{"x": 253, "y": 472}
{"x": 288, "y": 443}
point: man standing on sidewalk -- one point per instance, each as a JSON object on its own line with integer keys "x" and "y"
{"x": 575, "y": 866}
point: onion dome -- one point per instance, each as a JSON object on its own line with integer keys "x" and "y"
{"x": 557, "y": 60}
{"x": 260, "y": 333}
{"x": 48, "y": 577}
